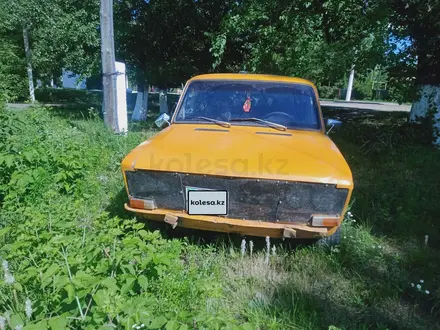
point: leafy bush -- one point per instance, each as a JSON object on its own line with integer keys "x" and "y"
{"x": 327, "y": 92}
{"x": 403, "y": 90}
{"x": 68, "y": 258}
{"x": 13, "y": 80}
{"x": 67, "y": 95}
{"x": 71, "y": 257}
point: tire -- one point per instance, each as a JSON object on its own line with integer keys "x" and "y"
{"x": 332, "y": 240}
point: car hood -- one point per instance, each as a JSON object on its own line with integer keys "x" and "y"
{"x": 243, "y": 151}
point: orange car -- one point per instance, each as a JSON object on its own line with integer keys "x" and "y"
{"x": 243, "y": 153}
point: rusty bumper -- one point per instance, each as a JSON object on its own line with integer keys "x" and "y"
{"x": 237, "y": 226}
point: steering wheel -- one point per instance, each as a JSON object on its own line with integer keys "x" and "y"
{"x": 277, "y": 113}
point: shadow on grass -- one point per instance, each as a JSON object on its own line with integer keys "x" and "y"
{"x": 331, "y": 309}
{"x": 393, "y": 165}
{"x": 116, "y": 206}
{"x": 396, "y": 184}
{"x": 359, "y": 287}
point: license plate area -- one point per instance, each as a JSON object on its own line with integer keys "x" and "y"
{"x": 207, "y": 202}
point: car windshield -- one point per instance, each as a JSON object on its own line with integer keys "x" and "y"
{"x": 289, "y": 104}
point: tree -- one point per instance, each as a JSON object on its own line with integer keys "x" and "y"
{"x": 13, "y": 86}
{"x": 130, "y": 48}
{"x": 416, "y": 56}
{"x": 166, "y": 41}
{"x": 21, "y": 15}
{"x": 67, "y": 36}
{"x": 56, "y": 34}
{"x": 319, "y": 40}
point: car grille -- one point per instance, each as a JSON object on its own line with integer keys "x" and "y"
{"x": 250, "y": 199}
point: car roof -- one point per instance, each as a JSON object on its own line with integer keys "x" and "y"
{"x": 251, "y": 76}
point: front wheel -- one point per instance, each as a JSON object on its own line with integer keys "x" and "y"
{"x": 332, "y": 240}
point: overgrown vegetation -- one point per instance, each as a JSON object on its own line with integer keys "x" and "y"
{"x": 68, "y": 95}
{"x": 63, "y": 246}
{"x": 318, "y": 40}
{"x": 12, "y": 70}
{"x": 72, "y": 258}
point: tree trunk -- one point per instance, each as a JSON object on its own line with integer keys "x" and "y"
{"x": 163, "y": 101}
{"x": 141, "y": 107}
{"x": 428, "y": 105}
{"x": 27, "y": 51}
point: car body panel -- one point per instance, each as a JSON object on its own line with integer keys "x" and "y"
{"x": 242, "y": 151}
{"x": 236, "y": 226}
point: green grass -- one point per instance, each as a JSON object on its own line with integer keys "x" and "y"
{"x": 85, "y": 263}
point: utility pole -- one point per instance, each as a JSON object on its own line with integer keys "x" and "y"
{"x": 350, "y": 84}
{"x": 108, "y": 65}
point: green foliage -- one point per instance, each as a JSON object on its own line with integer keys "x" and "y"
{"x": 67, "y": 95}
{"x": 414, "y": 54}
{"x": 327, "y": 92}
{"x": 69, "y": 252}
{"x": 165, "y": 48}
{"x": 318, "y": 40}
{"x": 68, "y": 37}
{"x": 84, "y": 263}
{"x": 63, "y": 34}
{"x": 402, "y": 90}
{"x": 13, "y": 83}
{"x": 413, "y": 58}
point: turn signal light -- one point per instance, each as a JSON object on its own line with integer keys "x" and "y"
{"x": 325, "y": 221}
{"x": 146, "y": 204}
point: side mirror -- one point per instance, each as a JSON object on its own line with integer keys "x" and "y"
{"x": 162, "y": 120}
{"x": 331, "y": 123}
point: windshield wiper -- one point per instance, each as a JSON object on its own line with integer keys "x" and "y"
{"x": 215, "y": 121}
{"x": 258, "y": 120}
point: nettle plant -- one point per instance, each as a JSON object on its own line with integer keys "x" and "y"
{"x": 102, "y": 279}
{"x": 39, "y": 158}
{"x": 66, "y": 261}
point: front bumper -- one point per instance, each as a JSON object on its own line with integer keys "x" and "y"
{"x": 237, "y": 226}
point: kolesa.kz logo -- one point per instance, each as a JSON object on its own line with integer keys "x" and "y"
{"x": 207, "y": 202}
{"x": 200, "y": 202}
